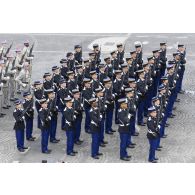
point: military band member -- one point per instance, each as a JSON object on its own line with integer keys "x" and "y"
{"x": 124, "y": 118}
{"x": 29, "y": 115}
{"x": 152, "y": 134}
{"x": 38, "y": 94}
{"x": 163, "y": 58}
{"x": 101, "y": 101}
{"x": 87, "y": 94}
{"x": 109, "y": 97}
{"x": 120, "y": 53}
{"x": 78, "y": 54}
{"x": 142, "y": 88}
{"x": 96, "y": 118}
{"x": 54, "y": 115}
{"x": 70, "y": 118}
{"x": 23, "y": 78}
{"x": 78, "y": 110}
{"x": 19, "y": 125}
{"x": 115, "y": 60}
{"x": 45, "y": 118}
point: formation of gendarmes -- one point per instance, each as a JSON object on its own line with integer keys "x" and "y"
{"x": 113, "y": 89}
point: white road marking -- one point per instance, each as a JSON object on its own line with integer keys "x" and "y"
{"x": 108, "y": 43}
{"x": 142, "y": 36}
{"x": 183, "y": 37}
{"x": 145, "y": 42}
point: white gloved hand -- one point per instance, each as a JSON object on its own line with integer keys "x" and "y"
{"x": 49, "y": 117}
{"x": 8, "y": 78}
{"x": 1, "y": 84}
{"x": 23, "y": 117}
{"x": 14, "y": 71}
{"x": 23, "y": 85}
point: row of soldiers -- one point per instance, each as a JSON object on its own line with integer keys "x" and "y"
{"x": 15, "y": 72}
{"x": 127, "y": 86}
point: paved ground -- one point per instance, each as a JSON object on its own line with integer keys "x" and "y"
{"x": 50, "y": 48}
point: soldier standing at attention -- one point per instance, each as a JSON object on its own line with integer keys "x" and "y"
{"x": 96, "y": 117}
{"x": 19, "y": 126}
{"x": 70, "y": 118}
{"x": 29, "y": 115}
{"x": 45, "y": 117}
{"x": 152, "y": 134}
{"x": 124, "y": 119}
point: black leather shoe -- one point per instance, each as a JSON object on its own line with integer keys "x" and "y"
{"x": 135, "y": 134}
{"x": 133, "y": 144}
{"x": 182, "y": 92}
{"x": 174, "y": 108}
{"x": 109, "y": 132}
{"x": 47, "y": 152}
{"x": 128, "y": 156}
{"x": 158, "y": 149}
{"x": 177, "y": 100}
{"x": 166, "y": 125}
{"x": 21, "y": 150}
{"x": 141, "y": 124}
{"x": 12, "y": 99}
{"x": 155, "y": 158}
{"x": 31, "y": 139}
{"x": 71, "y": 154}
{"x": 25, "y": 148}
{"x": 113, "y": 130}
{"x": 105, "y": 142}
{"x": 54, "y": 141}
{"x": 95, "y": 157}
{"x": 78, "y": 143}
{"x": 3, "y": 114}
{"x": 5, "y": 107}
{"x": 99, "y": 154}
{"x": 102, "y": 145}
{"x": 9, "y": 106}
{"x": 75, "y": 152}
{"x": 125, "y": 159}
{"x": 153, "y": 161}
{"x": 130, "y": 146}
{"x": 164, "y": 136}
{"x": 171, "y": 116}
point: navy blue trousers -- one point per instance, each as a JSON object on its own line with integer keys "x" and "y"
{"x": 123, "y": 144}
{"x": 140, "y": 113}
{"x": 109, "y": 117}
{"x": 44, "y": 139}
{"x": 70, "y": 141}
{"x": 116, "y": 111}
{"x": 63, "y": 119}
{"x": 181, "y": 77}
{"x": 78, "y": 128}
{"x": 87, "y": 119}
{"x": 29, "y": 128}
{"x": 20, "y": 138}
{"x": 102, "y": 128}
{"x": 95, "y": 143}
{"x": 132, "y": 124}
{"x": 53, "y": 128}
{"x": 152, "y": 143}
